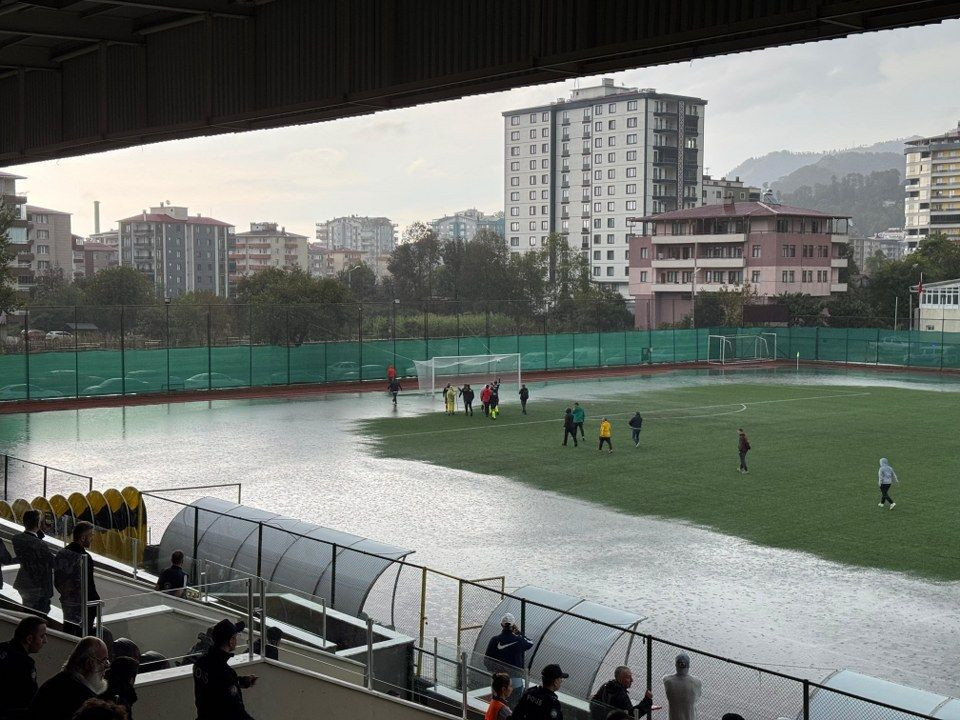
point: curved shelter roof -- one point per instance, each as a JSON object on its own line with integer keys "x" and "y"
{"x": 575, "y": 642}
{"x": 825, "y": 704}
{"x": 295, "y": 554}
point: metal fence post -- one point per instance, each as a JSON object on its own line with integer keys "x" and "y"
{"x": 133, "y": 556}
{"x": 523, "y": 616}
{"x": 84, "y": 624}
{"x": 333, "y": 578}
{"x": 463, "y": 682}
{"x": 123, "y": 359}
{"x": 263, "y": 615}
{"x": 196, "y": 530}
{"x": 323, "y": 620}
{"x": 649, "y": 667}
{"x": 360, "y": 339}
{"x": 259, "y": 549}
{"x": 250, "y": 619}
{"x": 6, "y": 470}
{"x": 806, "y": 699}
{"x": 369, "y": 654}
{"x": 423, "y": 617}
{"x": 76, "y": 352}
{"x": 44, "y": 480}
{"x": 99, "y": 631}
{"x": 436, "y": 651}
{"x": 209, "y": 352}
{"x": 26, "y": 350}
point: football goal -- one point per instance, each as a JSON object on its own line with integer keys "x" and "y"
{"x": 435, "y": 373}
{"x": 733, "y": 349}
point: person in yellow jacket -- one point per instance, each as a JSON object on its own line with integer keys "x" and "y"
{"x": 605, "y": 432}
{"x": 450, "y": 396}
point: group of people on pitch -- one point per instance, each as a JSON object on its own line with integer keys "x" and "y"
{"x": 573, "y": 419}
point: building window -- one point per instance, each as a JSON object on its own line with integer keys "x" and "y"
{"x": 631, "y": 105}
{"x": 631, "y": 155}
{"x": 515, "y": 166}
{"x": 533, "y": 117}
{"x": 755, "y": 276}
{"x": 515, "y": 226}
{"x": 612, "y": 107}
{"x": 611, "y": 141}
{"x": 611, "y": 174}
{"x": 631, "y": 122}
{"x": 610, "y": 237}
{"x": 598, "y": 109}
{"x": 644, "y": 253}
{"x": 597, "y": 206}
{"x": 631, "y": 172}
{"x": 597, "y": 223}
{"x": 514, "y": 151}
{"x": 783, "y": 225}
{"x": 515, "y": 120}
{"x": 533, "y": 150}
{"x": 596, "y": 239}
{"x": 596, "y": 254}
{"x": 533, "y": 224}
{"x": 532, "y": 165}
{"x": 755, "y": 252}
{"x": 788, "y": 276}
{"x": 609, "y": 271}
{"x": 532, "y": 195}
{"x": 598, "y": 142}
{"x": 611, "y": 206}
{"x": 545, "y": 148}
{"x": 643, "y": 276}
{"x": 596, "y": 271}
{"x": 544, "y": 194}
{"x": 632, "y": 139}
{"x": 631, "y": 204}
{"x": 611, "y": 157}
{"x": 611, "y": 189}
{"x": 631, "y": 189}
{"x": 611, "y": 222}
{"x": 544, "y": 164}
{"x": 533, "y": 241}
{"x": 788, "y": 251}
{"x": 43, "y": 249}
{"x": 598, "y": 174}
{"x": 611, "y": 124}
{"x": 515, "y": 135}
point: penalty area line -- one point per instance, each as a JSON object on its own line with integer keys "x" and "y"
{"x": 652, "y": 414}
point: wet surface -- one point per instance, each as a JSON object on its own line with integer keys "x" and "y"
{"x": 783, "y": 609}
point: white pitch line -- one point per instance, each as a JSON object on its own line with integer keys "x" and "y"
{"x": 741, "y": 407}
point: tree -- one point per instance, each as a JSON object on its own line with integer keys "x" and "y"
{"x": 8, "y": 296}
{"x": 53, "y": 300}
{"x": 118, "y": 286}
{"x": 804, "y": 309}
{"x": 414, "y": 263}
{"x": 361, "y": 281}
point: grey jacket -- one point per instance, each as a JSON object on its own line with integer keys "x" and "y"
{"x": 886, "y": 475}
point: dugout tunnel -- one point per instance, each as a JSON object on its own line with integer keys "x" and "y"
{"x": 590, "y": 639}
{"x": 237, "y": 540}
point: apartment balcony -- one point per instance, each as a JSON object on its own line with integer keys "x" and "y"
{"x": 564, "y": 216}
{"x": 837, "y": 238}
{"x": 584, "y": 231}
{"x": 143, "y": 256}
{"x": 143, "y": 241}
{"x": 564, "y": 200}
{"x": 564, "y": 153}
{"x": 676, "y": 287}
{"x": 25, "y": 257}
{"x": 838, "y": 262}
{"x": 673, "y": 263}
{"x": 585, "y": 151}
{"x": 726, "y": 262}
{"x": 690, "y": 239}
{"x": 585, "y": 214}
{"x": 585, "y": 166}
{"x": 586, "y": 135}
{"x": 665, "y": 113}
{"x": 585, "y": 198}
{"x": 585, "y": 183}
{"x": 665, "y": 129}
{"x": 565, "y": 122}
{"x": 586, "y": 120}
{"x": 691, "y": 124}
{"x": 564, "y": 184}
{"x": 838, "y": 287}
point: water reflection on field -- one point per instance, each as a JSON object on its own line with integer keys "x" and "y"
{"x": 301, "y": 457}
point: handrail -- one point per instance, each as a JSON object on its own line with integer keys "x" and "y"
{"x": 238, "y": 486}
{"x": 46, "y": 468}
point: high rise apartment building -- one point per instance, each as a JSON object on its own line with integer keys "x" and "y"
{"x": 371, "y": 236}
{"x": 177, "y": 251}
{"x": 465, "y": 224}
{"x": 581, "y": 166}
{"x": 266, "y": 245}
{"x": 933, "y": 188}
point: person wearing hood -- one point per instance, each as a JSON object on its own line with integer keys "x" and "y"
{"x": 636, "y": 422}
{"x": 886, "y": 477}
{"x": 450, "y": 398}
{"x": 505, "y": 653}
{"x": 569, "y": 427}
{"x": 120, "y": 677}
{"x": 682, "y": 691}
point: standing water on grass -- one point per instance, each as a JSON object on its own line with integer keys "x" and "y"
{"x": 305, "y": 457}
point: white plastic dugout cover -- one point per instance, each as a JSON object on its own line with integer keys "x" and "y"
{"x": 738, "y": 349}
{"x": 434, "y": 374}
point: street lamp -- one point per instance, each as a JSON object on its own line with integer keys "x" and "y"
{"x": 350, "y": 279}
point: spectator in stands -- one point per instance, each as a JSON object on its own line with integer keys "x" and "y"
{"x": 682, "y": 690}
{"x": 100, "y": 710}
{"x": 173, "y": 580}
{"x": 80, "y": 680}
{"x": 274, "y": 636}
{"x": 578, "y": 418}
{"x": 505, "y": 654}
{"x": 569, "y": 427}
{"x": 34, "y": 580}
{"x": 541, "y": 702}
{"x": 217, "y": 687}
{"x": 125, "y": 647}
{"x": 200, "y": 647}
{"x": 614, "y": 695}
{"x": 500, "y": 690}
{"x": 152, "y": 660}
{"x": 18, "y": 672}
{"x": 67, "y": 568}
{"x": 120, "y": 677}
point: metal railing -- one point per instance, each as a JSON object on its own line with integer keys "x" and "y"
{"x": 38, "y": 474}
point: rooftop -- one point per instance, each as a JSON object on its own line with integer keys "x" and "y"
{"x": 37, "y": 208}
{"x": 163, "y": 218}
{"x": 605, "y": 92}
{"x": 950, "y": 135}
{"x": 8, "y": 176}
{"x": 734, "y": 210}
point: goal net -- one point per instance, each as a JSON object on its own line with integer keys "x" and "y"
{"x": 733, "y": 349}
{"x": 434, "y": 374}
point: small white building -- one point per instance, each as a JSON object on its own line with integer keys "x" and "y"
{"x": 939, "y": 307}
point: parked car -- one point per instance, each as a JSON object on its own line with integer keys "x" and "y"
{"x": 33, "y": 334}
{"x": 117, "y": 386}
{"x": 344, "y": 370}
{"x": 58, "y": 335}
{"x": 202, "y": 381}
{"x": 18, "y": 391}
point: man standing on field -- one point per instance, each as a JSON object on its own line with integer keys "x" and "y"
{"x": 743, "y": 447}
{"x": 886, "y": 477}
{"x": 636, "y": 422}
{"x": 605, "y": 432}
{"x": 578, "y": 417}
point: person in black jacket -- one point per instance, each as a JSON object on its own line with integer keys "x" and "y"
{"x": 541, "y": 702}
{"x": 505, "y": 654}
{"x": 18, "y": 672}
{"x": 68, "y": 565}
{"x": 636, "y": 423}
{"x": 524, "y": 396}
{"x": 614, "y": 695}
{"x": 569, "y": 427}
{"x": 467, "y": 393}
{"x": 217, "y": 687}
{"x": 81, "y": 679}
{"x": 34, "y": 580}
{"x": 393, "y": 387}
{"x": 120, "y": 677}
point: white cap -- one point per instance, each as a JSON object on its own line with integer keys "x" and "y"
{"x": 508, "y": 619}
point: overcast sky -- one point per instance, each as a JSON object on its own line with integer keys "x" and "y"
{"x": 423, "y": 162}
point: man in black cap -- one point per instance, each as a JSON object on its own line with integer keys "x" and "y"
{"x": 216, "y": 685}
{"x": 541, "y": 702}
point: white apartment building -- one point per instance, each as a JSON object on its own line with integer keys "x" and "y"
{"x": 717, "y": 191}
{"x": 582, "y": 165}
{"x": 933, "y": 188}
{"x": 266, "y": 245}
{"x": 372, "y": 236}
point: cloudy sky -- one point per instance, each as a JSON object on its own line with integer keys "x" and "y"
{"x": 423, "y": 162}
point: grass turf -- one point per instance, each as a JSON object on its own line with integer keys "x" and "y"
{"x": 812, "y": 484}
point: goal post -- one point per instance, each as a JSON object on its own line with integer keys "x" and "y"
{"x": 434, "y": 374}
{"x": 741, "y": 348}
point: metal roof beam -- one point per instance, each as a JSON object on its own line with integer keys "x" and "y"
{"x": 69, "y": 26}
{"x": 29, "y": 56}
{"x": 217, "y": 8}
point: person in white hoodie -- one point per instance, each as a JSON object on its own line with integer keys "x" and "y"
{"x": 886, "y": 477}
{"x": 682, "y": 691}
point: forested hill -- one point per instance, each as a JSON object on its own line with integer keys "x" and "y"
{"x": 839, "y": 165}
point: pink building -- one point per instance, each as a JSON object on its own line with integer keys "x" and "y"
{"x": 775, "y": 248}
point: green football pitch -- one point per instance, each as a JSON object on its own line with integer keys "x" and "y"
{"x": 812, "y": 484}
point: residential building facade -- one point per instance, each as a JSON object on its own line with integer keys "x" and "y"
{"x": 50, "y": 241}
{"x": 177, "y": 251}
{"x": 938, "y": 307}
{"x": 99, "y": 256}
{"x": 464, "y": 225}
{"x": 716, "y": 191}
{"x": 582, "y": 165}
{"x": 20, "y": 246}
{"x": 266, "y": 245}
{"x": 371, "y": 236}
{"x": 887, "y": 242}
{"x": 774, "y": 248}
{"x": 933, "y": 188}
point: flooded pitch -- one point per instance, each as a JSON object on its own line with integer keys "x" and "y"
{"x": 781, "y": 609}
